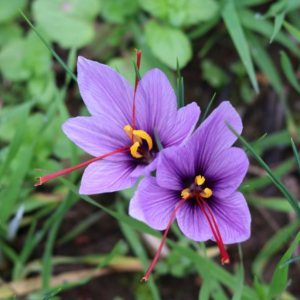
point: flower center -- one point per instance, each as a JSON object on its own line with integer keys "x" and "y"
{"x": 137, "y": 136}
{"x": 196, "y": 189}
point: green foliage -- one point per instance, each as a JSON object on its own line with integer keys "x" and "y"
{"x": 9, "y": 9}
{"x": 168, "y": 44}
{"x": 183, "y": 12}
{"x": 118, "y": 11}
{"x": 68, "y": 23}
{"x": 217, "y": 44}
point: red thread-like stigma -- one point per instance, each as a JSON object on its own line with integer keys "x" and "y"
{"x": 138, "y": 62}
{"x": 51, "y": 176}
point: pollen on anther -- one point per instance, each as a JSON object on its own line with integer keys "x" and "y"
{"x": 134, "y": 150}
{"x": 199, "y": 180}
{"x": 185, "y": 193}
{"x": 206, "y": 193}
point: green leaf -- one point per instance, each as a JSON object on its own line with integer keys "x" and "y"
{"x": 69, "y": 23}
{"x": 118, "y": 11}
{"x": 273, "y": 245}
{"x": 168, "y": 44}
{"x": 181, "y": 13}
{"x": 280, "y": 276}
{"x": 239, "y": 277}
{"x": 252, "y": 21}
{"x": 213, "y": 74}
{"x": 289, "y": 72}
{"x": 16, "y": 141}
{"x": 179, "y": 88}
{"x": 25, "y": 58}
{"x": 292, "y": 30}
{"x": 296, "y": 154}
{"x": 276, "y": 204}
{"x": 289, "y": 261}
{"x": 205, "y": 288}
{"x": 277, "y": 25}
{"x": 138, "y": 249}
{"x": 203, "y": 263}
{"x": 9, "y": 32}
{"x": 9, "y": 9}
{"x": 233, "y": 24}
{"x": 264, "y": 62}
{"x": 48, "y": 46}
{"x": 208, "y": 108}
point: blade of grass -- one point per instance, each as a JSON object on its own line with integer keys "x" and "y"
{"x": 25, "y": 253}
{"x": 239, "y": 277}
{"x": 272, "y": 246}
{"x": 81, "y": 227}
{"x": 261, "y": 182}
{"x": 290, "y": 261}
{"x": 203, "y": 263}
{"x": 250, "y": 21}
{"x": 233, "y": 25}
{"x": 276, "y": 181}
{"x": 295, "y": 32}
{"x": 297, "y": 157}
{"x": 59, "y": 215}
{"x": 277, "y": 24}
{"x": 16, "y": 141}
{"x": 179, "y": 88}
{"x": 280, "y": 276}
{"x": 264, "y": 62}
{"x": 138, "y": 249}
{"x": 276, "y": 204}
{"x": 208, "y": 107}
{"x": 55, "y": 55}
{"x": 205, "y": 288}
{"x": 289, "y": 72}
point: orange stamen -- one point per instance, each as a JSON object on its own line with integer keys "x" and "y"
{"x": 51, "y": 176}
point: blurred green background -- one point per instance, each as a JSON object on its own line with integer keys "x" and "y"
{"x": 52, "y": 242}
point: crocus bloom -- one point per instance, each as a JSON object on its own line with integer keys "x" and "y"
{"x": 196, "y": 183}
{"x": 120, "y": 130}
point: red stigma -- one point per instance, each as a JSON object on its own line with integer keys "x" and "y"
{"x": 51, "y": 176}
{"x": 138, "y": 63}
{"x": 214, "y": 228}
{"x": 212, "y": 223}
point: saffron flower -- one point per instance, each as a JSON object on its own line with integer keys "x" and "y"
{"x": 196, "y": 183}
{"x": 120, "y": 131}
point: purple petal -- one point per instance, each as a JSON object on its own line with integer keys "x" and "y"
{"x": 233, "y": 218}
{"x": 97, "y": 136}
{"x": 182, "y": 127}
{"x": 135, "y": 210}
{"x": 157, "y": 204}
{"x": 227, "y": 171}
{"x": 192, "y": 222}
{"x": 175, "y": 164}
{"x": 213, "y": 135}
{"x": 107, "y": 176}
{"x": 105, "y": 91}
{"x": 156, "y": 104}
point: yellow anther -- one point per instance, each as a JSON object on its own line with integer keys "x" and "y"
{"x": 185, "y": 193}
{"x": 134, "y": 150}
{"x": 128, "y": 130}
{"x": 206, "y": 193}
{"x": 145, "y": 136}
{"x": 199, "y": 180}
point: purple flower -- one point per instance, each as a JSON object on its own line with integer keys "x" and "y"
{"x": 196, "y": 184}
{"x": 121, "y": 128}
